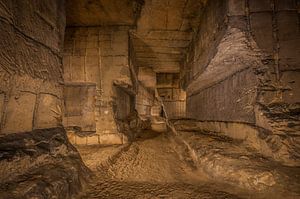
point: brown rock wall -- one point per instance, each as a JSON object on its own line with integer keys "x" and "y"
{"x": 247, "y": 70}
{"x": 30, "y": 64}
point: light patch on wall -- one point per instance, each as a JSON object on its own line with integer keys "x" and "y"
{"x": 49, "y": 112}
{"x": 19, "y": 113}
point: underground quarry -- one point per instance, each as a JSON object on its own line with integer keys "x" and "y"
{"x": 149, "y": 99}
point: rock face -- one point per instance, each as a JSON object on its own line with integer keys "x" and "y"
{"x": 121, "y": 66}
{"x": 34, "y": 163}
{"x": 240, "y": 162}
{"x": 31, "y": 35}
{"x": 97, "y": 56}
{"x": 243, "y": 67}
{"x": 40, "y": 164}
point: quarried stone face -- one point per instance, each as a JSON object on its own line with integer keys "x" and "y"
{"x": 162, "y": 98}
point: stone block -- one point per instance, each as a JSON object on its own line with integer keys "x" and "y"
{"x": 174, "y": 19}
{"x": 92, "y": 60}
{"x": 71, "y": 137}
{"x": 288, "y": 25}
{"x": 287, "y": 5}
{"x": 289, "y": 55}
{"x": 79, "y": 52}
{"x": 19, "y": 113}
{"x": 2, "y": 98}
{"x": 291, "y": 80}
{"x": 234, "y": 106}
{"x": 93, "y": 38}
{"x": 112, "y": 138}
{"x": 121, "y": 61}
{"x": 93, "y": 140}
{"x": 92, "y": 52}
{"x": 288, "y": 40}
{"x": 67, "y": 68}
{"x": 260, "y": 5}
{"x": 104, "y": 37}
{"x": 120, "y": 49}
{"x": 69, "y": 121}
{"x": 77, "y": 67}
{"x": 147, "y": 76}
{"x": 88, "y": 109}
{"x": 48, "y": 112}
{"x": 81, "y": 140}
{"x": 236, "y": 7}
{"x": 79, "y": 111}
{"x": 155, "y": 110}
{"x": 80, "y": 43}
{"x": 261, "y": 24}
{"x": 159, "y": 127}
{"x": 92, "y": 70}
{"x": 106, "y": 50}
{"x": 120, "y": 36}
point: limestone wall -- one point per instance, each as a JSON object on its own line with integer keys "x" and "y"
{"x": 173, "y": 97}
{"x": 275, "y": 28}
{"x": 31, "y": 35}
{"x": 255, "y": 45}
{"x": 144, "y": 101}
{"x": 243, "y": 66}
{"x": 99, "y": 55}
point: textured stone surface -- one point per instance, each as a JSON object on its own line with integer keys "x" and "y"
{"x": 48, "y": 111}
{"x": 144, "y": 101}
{"x": 172, "y": 96}
{"x": 164, "y": 31}
{"x": 30, "y": 63}
{"x": 19, "y": 113}
{"x": 34, "y": 163}
{"x": 103, "y": 12}
{"x": 229, "y": 160}
{"x": 80, "y": 106}
{"x": 2, "y": 98}
{"x": 39, "y": 164}
{"x": 241, "y": 73}
{"x": 232, "y": 66}
{"x": 159, "y": 166}
{"x": 40, "y": 24}
{"x": 236, "y": 106}
{"x": 99, "y": 55}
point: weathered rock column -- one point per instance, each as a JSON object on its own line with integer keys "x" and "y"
{"x": 30, "y": 64}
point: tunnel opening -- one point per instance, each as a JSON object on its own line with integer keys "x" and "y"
{"x": 149, "y": 99}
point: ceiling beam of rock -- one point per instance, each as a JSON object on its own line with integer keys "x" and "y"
{"x": 164, "y": 31}
{"x": 102, "y": 12}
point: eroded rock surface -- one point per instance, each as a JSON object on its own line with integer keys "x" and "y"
{"x": 237, "y": 162}
{"x": 148, "y": 168}
{"x": 158, "y": 165}
{"x": 40, "y": 164}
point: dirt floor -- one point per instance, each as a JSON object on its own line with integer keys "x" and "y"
{"x": 157, "y": 166}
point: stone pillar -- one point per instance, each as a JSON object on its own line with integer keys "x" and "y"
{"x": 31, "y": 35}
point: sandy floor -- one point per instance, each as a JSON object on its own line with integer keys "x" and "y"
{"x": 155, "y": 166}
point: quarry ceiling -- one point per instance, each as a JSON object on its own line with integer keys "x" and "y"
{"x": 163, "y": 28}
{"x": 164, "y": 31}
{"x": 102, "y": 12}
